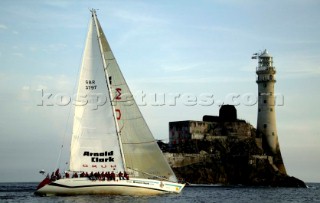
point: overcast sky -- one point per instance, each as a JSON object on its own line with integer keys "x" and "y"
{"x": 166, "y": 48}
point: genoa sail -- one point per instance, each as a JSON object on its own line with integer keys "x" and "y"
{"x": 142, "y": 155}
{"x": 95, "y": 143}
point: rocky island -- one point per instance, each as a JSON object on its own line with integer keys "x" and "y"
{"x": 226, "y": 150}
{"x": 223, "y": 150}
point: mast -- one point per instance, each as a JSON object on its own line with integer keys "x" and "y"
{"x": 94, "y": 15}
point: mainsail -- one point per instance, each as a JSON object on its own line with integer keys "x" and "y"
{"x": 116, "y": 126}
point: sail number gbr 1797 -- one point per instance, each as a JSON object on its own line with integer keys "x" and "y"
{"x": 90, "y": 85}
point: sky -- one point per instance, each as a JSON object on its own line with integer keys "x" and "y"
{"x": 164, "y": 48}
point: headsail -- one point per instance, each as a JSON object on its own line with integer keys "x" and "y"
{"x": 141, "y": 151}
{"x": 95, "y": 144}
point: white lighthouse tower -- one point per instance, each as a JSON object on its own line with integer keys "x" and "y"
{"x": 266, "y": 124}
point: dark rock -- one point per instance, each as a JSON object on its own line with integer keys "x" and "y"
{"x": 229, "y": 160}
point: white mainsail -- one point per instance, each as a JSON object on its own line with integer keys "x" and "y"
{"x": 95, "y": 143}
{"x": 142, "y": 154}
{"x": 141, "y": 151}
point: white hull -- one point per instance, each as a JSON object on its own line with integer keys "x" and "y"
{"x": 84, "y": 186}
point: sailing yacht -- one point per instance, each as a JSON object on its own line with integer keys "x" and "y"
{"x": 110, "y": 134}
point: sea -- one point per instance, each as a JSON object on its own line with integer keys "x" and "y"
{"x": 23, "y": 192}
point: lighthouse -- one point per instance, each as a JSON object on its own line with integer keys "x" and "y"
{"x": 266, "y": 122}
